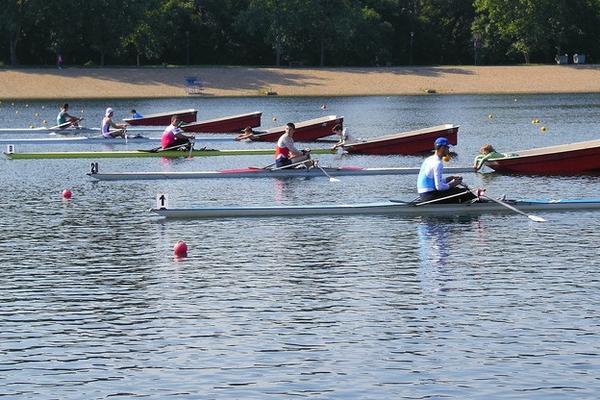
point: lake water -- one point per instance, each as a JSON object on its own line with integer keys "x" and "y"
{"x": 93, "y": 304}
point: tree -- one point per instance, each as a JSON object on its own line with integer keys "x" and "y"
{"x": 280, "y": 23}
{"x": 14, "y": 15}
{"x": 522, "y": 23}
{"x": 446, "y": 28}
{"x": 107, "y": 24}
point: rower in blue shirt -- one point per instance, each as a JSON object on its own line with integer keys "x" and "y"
{"x": 135, "y": 114}
{"x": 432, "y": 186}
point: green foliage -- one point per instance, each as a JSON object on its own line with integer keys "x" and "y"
{"x": 296, "y": 32}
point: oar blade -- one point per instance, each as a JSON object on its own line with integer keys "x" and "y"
{"x": 333, "y": 179}
{"x": 536, "y": 218}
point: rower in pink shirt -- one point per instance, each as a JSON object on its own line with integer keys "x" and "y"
{"x": 173, "y": 136}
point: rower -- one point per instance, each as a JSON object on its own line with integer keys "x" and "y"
{"x": 485, "y": 153}
{"x": 173, "y": 137}
{"x": 343, "y": 134}
{"x": 64, "y": 117}
{"x": 286, "y": 152}
{"x": 108, "y": 123}
{"x": 432, "y": 186}
{"x": 247, "y": 133}
{"x": 135, "y": 114}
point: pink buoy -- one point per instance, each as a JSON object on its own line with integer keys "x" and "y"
{"x": 66, "y": 194}
{"x": 180, "y": 249}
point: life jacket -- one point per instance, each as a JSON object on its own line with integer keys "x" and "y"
{"x": 282, "y": 152}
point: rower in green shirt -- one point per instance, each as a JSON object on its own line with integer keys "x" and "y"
{"x": 485, "y": 153}
{"x": 63, "y": 117}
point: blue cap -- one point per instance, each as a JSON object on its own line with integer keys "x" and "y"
{"x": 441, "y": 141}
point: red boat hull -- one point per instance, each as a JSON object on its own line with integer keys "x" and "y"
{"x": 163, "y": 119}
{"x": 306, "y": 131}
{"x": 232, "y": 124}
{"x": 563, "y": 161}
{"x": 408, "y": 143}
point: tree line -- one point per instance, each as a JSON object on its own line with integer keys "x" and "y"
{"x": 296, "y": 32}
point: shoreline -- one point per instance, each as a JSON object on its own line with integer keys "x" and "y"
{"x": 234, "y": 81}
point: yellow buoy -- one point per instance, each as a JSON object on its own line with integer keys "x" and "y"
{"x": 274, "y": 118}
{"x": 44, "y": 122}
{"x": 490, "y": 116}
{"x": 31, "y": 126}
{"x": 446, "y": 158}
{"x": 543, "y": 129}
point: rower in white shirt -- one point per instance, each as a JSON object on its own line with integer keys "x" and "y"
{"x": 343, "y": 134}
{"x": 286, "y": 152}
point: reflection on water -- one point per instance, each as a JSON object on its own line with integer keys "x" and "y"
{"x": 433, "y": 248}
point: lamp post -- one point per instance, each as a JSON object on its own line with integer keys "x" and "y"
{"x": 476, "y": 45}
{"x": 410, "y": 56}
{"x": 187, "y": 47}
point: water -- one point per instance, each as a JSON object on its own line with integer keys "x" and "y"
{"x": 95, "y": 306}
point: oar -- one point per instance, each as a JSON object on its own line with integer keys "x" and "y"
{"x": 268, "y": 166}
{"x": 530, "y": 216}
{"x": 331, "y": 179}
{"x": 65, "y": 124}
{"x": 159, "y": 149}
{"x": 192, "y": 140}
{"x": 502, "y": 203}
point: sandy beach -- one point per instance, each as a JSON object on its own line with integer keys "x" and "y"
{"x": 85, "y": 83}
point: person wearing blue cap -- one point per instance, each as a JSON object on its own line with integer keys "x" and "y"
{"x": 431, "y": 185}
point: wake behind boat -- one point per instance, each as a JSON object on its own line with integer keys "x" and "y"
{"x": 391, "y": 207}
{"x": 256, "y": 172}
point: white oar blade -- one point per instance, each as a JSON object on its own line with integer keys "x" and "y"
{"x": 536, "y": 218}
{"x": 333, "y": 180}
